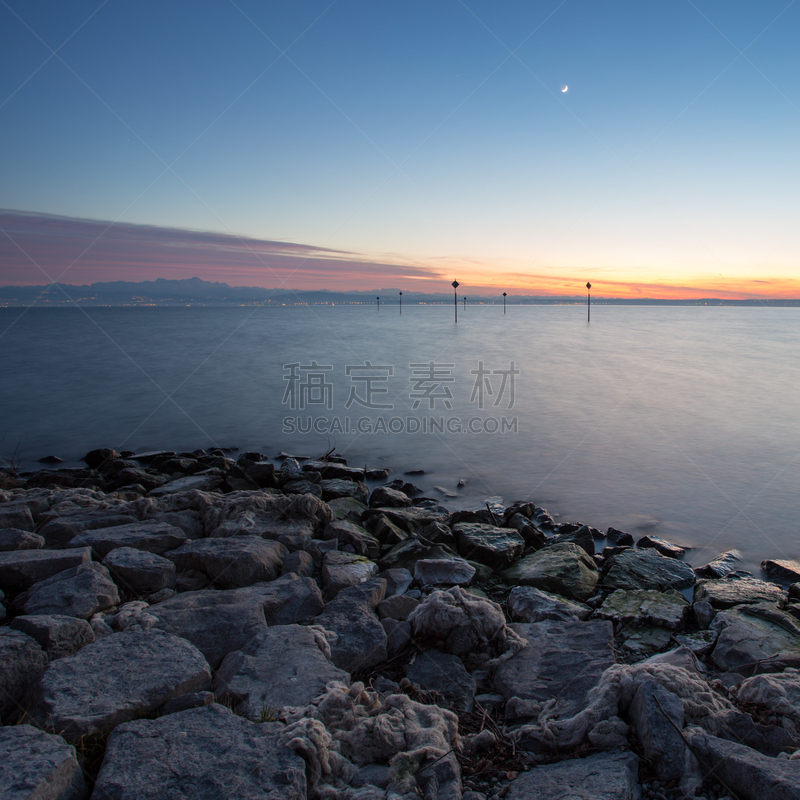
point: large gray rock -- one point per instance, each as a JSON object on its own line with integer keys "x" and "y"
{"x": 391, "y": 498}
{"x": 16, "y": 515}
{"x": 39, "y": 766}
{"x": 20, "y": 569}
{"x": 58, "y": 635}
{"x": 205, "y": 753}
{"x": 729, "y": 592}
{"x": 76, "y": 592}
{"x": 528, "y": 604}
{"x": 351, "y": 533}
{"x": 15, "y": 539}
{"x": 603, "y": 776}
{"x": 562, "y": 661}
{"x": 443, "y": 673}
{"x": 60, "y": 530}
{"x": 495, "y": 547}
{"x": 360, "y": 638}
{"x": 115, "y": 679}
{"x": 647, "y": 569}
{"x": 340, "y": 570}
{"x": 220, "y": 621}
{"x": 644, "y": 607}
{"x": 448, "y": 571}
{"x": 751, "y": 633}
{"x": 564, "y": 569}
{"x": 779, "y": 692}
{"x": 139, "y": 572}
{"x": 722, "y": 565}
{"x": 782, "y": 569}
{"x": 405, "y": 555}
{"x": 282, "y": 666}
{"x": 202, "y": 481}
{"x": 751, "y": 775}
{"x": 150, "y": 535}
{"x": 347, "y": 508}
{"x": 232, "y": 562}
{"x": 337, "y": 488}
{"x": 22, "y": 662}
{"x": 661, "y": 742}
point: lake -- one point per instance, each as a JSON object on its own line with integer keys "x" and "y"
{"x": 682, "y": 422}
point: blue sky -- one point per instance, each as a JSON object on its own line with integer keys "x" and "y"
{"x": 431, "y": 134}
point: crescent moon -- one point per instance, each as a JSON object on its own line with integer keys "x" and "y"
{"x": 564, "y": 87}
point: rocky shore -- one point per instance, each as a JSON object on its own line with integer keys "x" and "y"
{"x": 193, "y": 626}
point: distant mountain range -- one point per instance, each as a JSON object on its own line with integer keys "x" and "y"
{"x": 197, "y": 292}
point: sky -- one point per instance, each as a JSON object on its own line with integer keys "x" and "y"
{"x": 354, "y": 144}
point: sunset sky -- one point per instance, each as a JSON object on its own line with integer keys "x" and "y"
{"x": 349, "y": 144}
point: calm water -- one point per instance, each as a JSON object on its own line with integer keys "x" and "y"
{"x": 679, "y": 421}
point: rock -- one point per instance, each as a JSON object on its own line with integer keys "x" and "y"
{"x": 332, "y": 469}
{"x": 780, "y": 693}
{"x": 528, "y": 604}
{"x": 581, "y": 536}
{"x": 644, "y": 606}
{"x": 699, "y": 642}
{"x": 22, "y": 662}
{"x": 662, "y": 545}
{"x": 262, "y": 474}
{"x": 39, "y": 766}
{"x": 704, "y": 613}
{"x": 341, "y": 569}
{"x": 187, "y": 701}
{"x": 207, "y": 753}
{"x": 679, "y": 657}
{"x": 564, "y": 569}
{"x": 754, "y": 776}
{"x": 385, "y": 531}
{"x": 562, "y": 662}
{"x": 60, "y": 530}
{"x": 445, "y": 674}
{"x": 300, "y": 563}
{"x": 360, "y": 638}
{"x": 729, "y": 592}
{"x": 383, "y": 496}
{"x": 231, "y": 562}
{"x": 437, "y": 571}
{"x": 220, "y": 621}
{"x": 749, "y": 634}
{"x": 661, "y": 742}
{"x": 641, "y": 642}
{"x": 406, "y": 554}
{"x": 140, "y": 572}
{"x": 150, "y": 535}
{"x": 397, "y": 606}
{"x": 397, "y": 580}
{"x": 96, "y": 459}
{"x": 336, "y": 488}
{"x": 347, "y": 508}
{"x": 302, "y": 487}
{"x": 17, "y": 516}
{"x": 603, "y": 776}
{"x": 116, "y": 679}
{"x": 398, "y": 635}
{"x": 15, "y": 539}
{"x": 21, "y": 569}
{"x": 495, "y": 547}
{"x": 647, "y": 569}
{"x": 619, "y": 538}
{"x": 282, "y": 666}
{"x": 721, "y": 566}
{"x": 782, "y": 569}
{"x": 408, "y": 519}
{"x": 76, "y": 592}
{"x": 205, "y": 481}
{"x": 58, "y": 635}
{"x": 351, "y": 533}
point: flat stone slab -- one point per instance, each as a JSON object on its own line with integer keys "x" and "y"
{"x": 282, "y": 666}
{"x": 604, "y": 776}
{"x": 20, "y": 569}
{"x": 564, "y": 569}
{"x": 139, "y": 572}
{"x": 22, "y": 661}
{"x": 206, "y": 753}
{"x": 150, "y": 535}
{"x": 529, "y": 604}
{"x": 39, "y": 766}
{"x": 643, "y": 607}
{"x": 647, "y": 569}
{"x": 232, "y": 562}
{"x": 116, "y": 679}
{"x": 495, "y": 547}
{"x": 76, "y": 592}
{"x": 563, "y": 661}
{"x": 729, "y": 592}
{"x": 58, "y": 635}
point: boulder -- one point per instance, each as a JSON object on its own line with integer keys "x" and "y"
{"x": 780, "y": 693}
{"x": 340, "y": 569}
{"x": 406, "y": 554}
{"x": 150, "y": 535}
{"x": 22, "y": 662}
{"x": 360, "y": 641}
{"x": 564, "y": 569}
{"x": 76, "y": 592}
{"x": 15, "y": 539}
{"x": 20, "y": 569}
{"x": 644, "y": 607}
{"x": 300, "y": 563}
{"x": 351, "y": 533}
{"x": 262, "y": 474}
{"x": 752, "y": 775}
{"x": 581, "y": 536}
{"x": 39, "y": 766}
{"x": 62, "y": 529}
{"x": 96, "y": 459}
{"x": 139, "y": 572}
{"x": 445, "y": 674}
{"x": 619, "y": 538}
{"x": 603, "y": 776}
{"x": 437, "y": 571}
{"x": 387, "y": 533}
{"x": 347, "y": 508}
{"x": 208, "y": 753}
{"x": 782, "y": 569}
{"x": 282, "y": 666}
{"x": 528, "y": 604}
{"x": 231, "y": 562}
{"x": 647, "y": 569}
{"x": 729, "y": 592}
{"x": 115, "y": 679}
{"x": 495, "y": 547}
{"x": 336, "y": 488}
{"x": 643, "y": 641}
{"x": 384, "y": 496}
{"x": 205, "y": 481}
{"x": 722, "y": 565}
{"x": 409, "y": 519}
{"x": 398, "y": 606}
{"x": 663, "y": 546}
{"x": 397, "y": 580}
{"x": 58, "y": 635}
{"x": 18, "y": 516}
{"x": 661, "y": 742}
{"x": 302, "y": 487}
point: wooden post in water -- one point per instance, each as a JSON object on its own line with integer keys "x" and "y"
{"x": 504, "y": 302}
{"x": 454, "y": 284}
{"x": 401, "y": 303}
{"x": 588, "y": 302}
